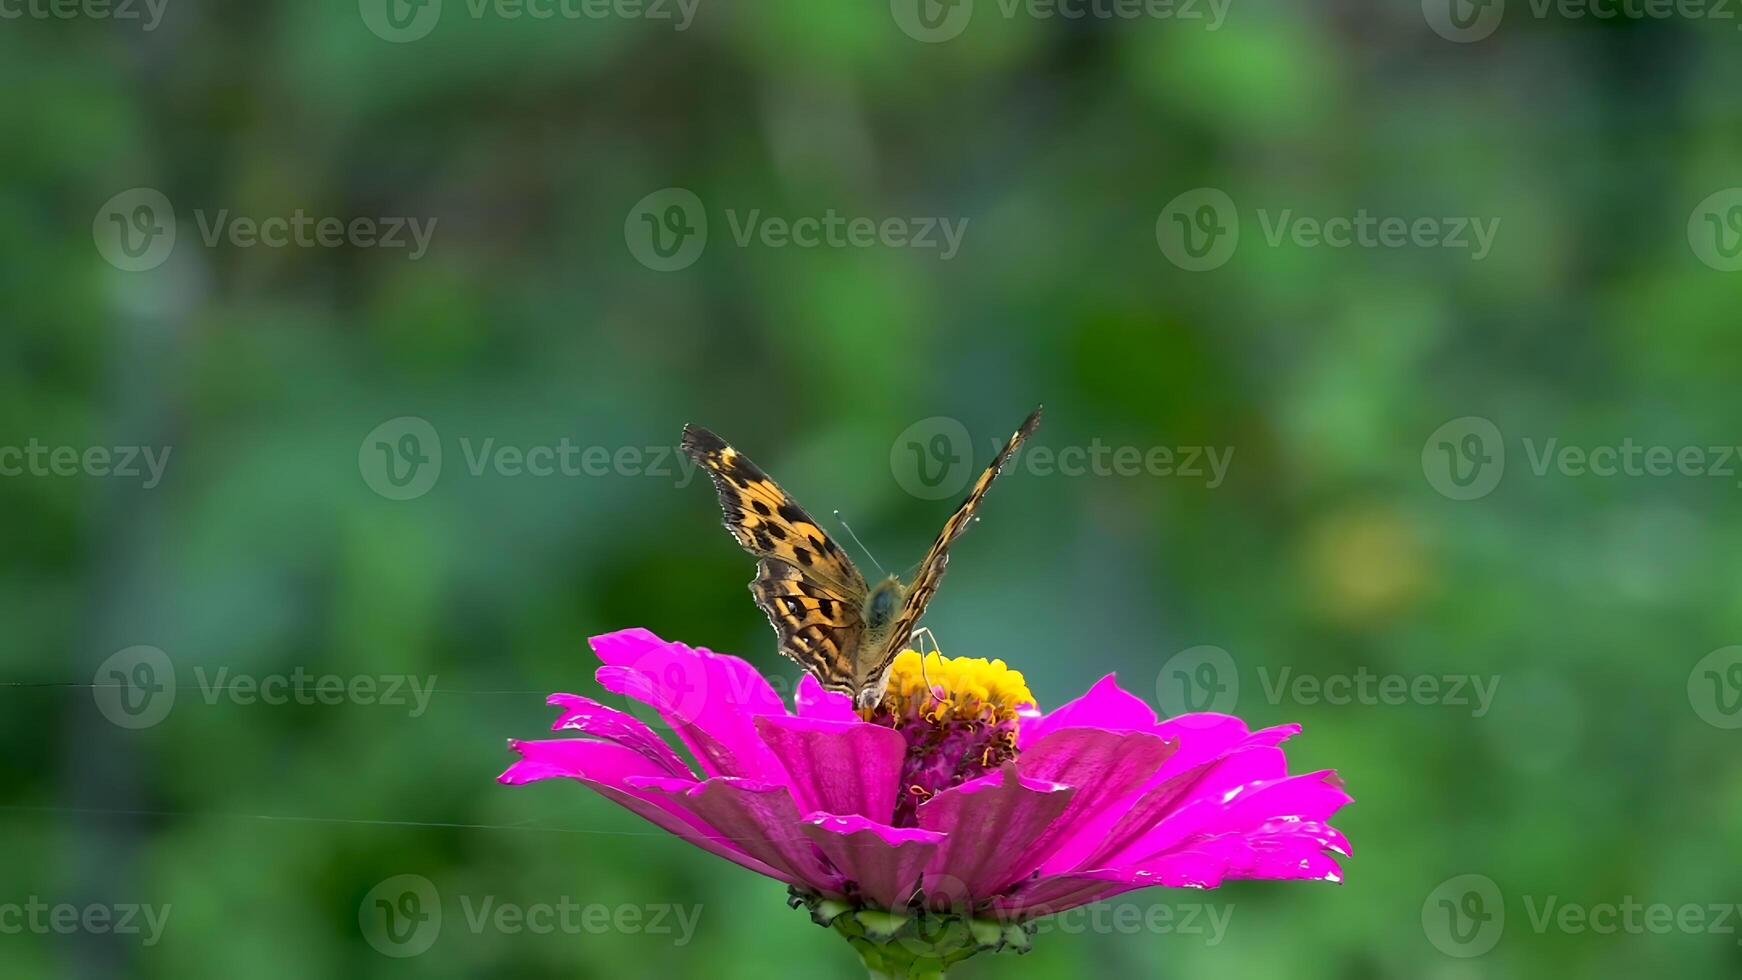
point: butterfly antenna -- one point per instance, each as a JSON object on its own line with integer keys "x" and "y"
{"x": 849, "y": 529}
{"x": 925, "y": 631}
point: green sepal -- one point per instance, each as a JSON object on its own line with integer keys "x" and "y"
{"x": 918, "y": 944}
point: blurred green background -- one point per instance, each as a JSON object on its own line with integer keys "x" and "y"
{"x": 542, "y": 313}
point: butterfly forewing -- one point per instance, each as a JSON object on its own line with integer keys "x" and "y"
{"x": 813, "y": 595}
{"x": 918, "y": 595}
{"x": 805, "y": 583}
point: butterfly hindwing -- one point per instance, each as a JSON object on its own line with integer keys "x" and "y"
{"x": 805, "y": 583}
{"x": 818, "y": 629}
{"x": 916, "y": 596}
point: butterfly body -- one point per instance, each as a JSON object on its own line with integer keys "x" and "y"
{"x": 882, "y": 605}
{"x": 827, "y": 618}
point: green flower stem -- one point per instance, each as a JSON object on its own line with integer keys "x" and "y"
{"x": 918, "y": 945}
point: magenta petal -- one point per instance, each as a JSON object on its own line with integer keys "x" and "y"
{"x": 1136, "y": 822}
{"x": 592, "y": 718}
{"x": 1258, "y": 828}
{"x": 1314, "y": 796}
{"x": 577, "y": 758}
{"x": 838, "y": 767}
{"x": 810, "y": 700}
{"x": 608, "y": 770}
{"x": 1202, "y": 737}
{"x": 1106, "y": 768}
{"x": 1106, "y": 705}
{"x": 1047, "y": 896}
{"x": 996, "y": 826}
{"x": 1186, "y": 869}
{"x": 885, "y": 862}
{"x": 709, "y": 699}
{"x": 760, "y": 818}
{"x": 1058, "y": 893}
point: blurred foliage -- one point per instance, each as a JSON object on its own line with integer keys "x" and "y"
{"x": 1325, "y": 550}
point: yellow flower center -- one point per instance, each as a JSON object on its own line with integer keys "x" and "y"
{"x": 973, "y": 689}
{"x": 959, "y": 716}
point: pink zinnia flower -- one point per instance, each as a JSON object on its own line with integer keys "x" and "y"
{"x": 949, "y": 816}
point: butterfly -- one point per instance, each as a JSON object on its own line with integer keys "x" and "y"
{"x": 828, "y": 619}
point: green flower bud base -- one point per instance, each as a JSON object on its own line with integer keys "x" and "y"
{"x": 916, "y": 945}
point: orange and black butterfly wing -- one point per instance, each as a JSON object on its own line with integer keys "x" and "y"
{"x": 805, "y": 583}
{"x": 918, "y": 595}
